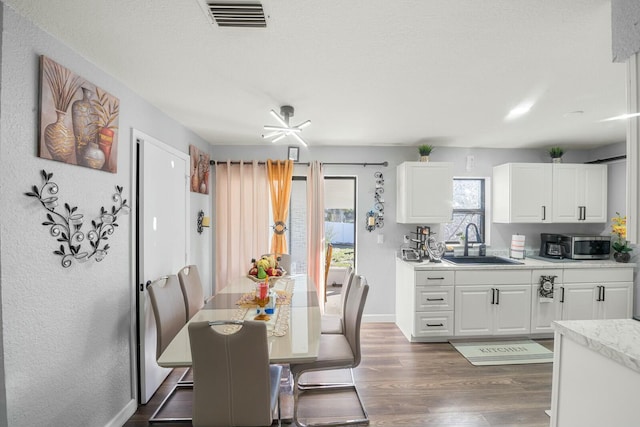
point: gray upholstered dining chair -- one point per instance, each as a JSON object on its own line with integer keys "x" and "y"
{"x": 191, "y": 290}
{"x": 333, "y": 323}
{"x": 234, "y": 385}
{"x": 170, "y": 316}
{"x": 337, "y": 351}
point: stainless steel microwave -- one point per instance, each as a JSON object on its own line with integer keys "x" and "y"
{"x": 575, "y": 246}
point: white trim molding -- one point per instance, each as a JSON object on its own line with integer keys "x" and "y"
{"x": 633, "y": 138}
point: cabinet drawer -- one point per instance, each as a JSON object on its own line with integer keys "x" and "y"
{"x": 493, "y": 277}
{"x": 429, "y": 298}
{"x": 598, "y": 275}
{"x": 434, "y": 278}
{"x": 434, "y": 324}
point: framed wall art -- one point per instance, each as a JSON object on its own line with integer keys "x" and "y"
{"x": 199, "y": 170}
{"x": 293, "y": 154}
{"x": 78, "y": 120}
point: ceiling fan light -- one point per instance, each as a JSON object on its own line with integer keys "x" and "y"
{"x": 303, "y": 125}
{"x": 279, "y": 137}
{"x": 281, "y": 129}
{"x": 278, "y": 118}
{"x": 300, "y": 140}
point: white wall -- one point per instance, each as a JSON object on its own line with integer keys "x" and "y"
{"x": 376, "y": 261}
{"x": 66, "y": 331}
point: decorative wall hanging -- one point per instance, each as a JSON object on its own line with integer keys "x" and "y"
{"x": 199, "y": 170}
{"x": 375, "y": 217}
{"x": 202, "y": 222}
{"x": 66, "y": 228}
{"x": 78, "y": 120}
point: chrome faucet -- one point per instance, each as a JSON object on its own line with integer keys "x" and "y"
{"x": 466, "y": 237}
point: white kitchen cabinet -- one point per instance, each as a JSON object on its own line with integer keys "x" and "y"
{"x": 492, "y": 302}
{"x": 549, "y": 193}
{"x": 544, "y": 310}
{"x": 595, "y": 374}
{"x": 424, "y": 192}
{"x": 596, "y": 294}
{"x": 579, "y": 193}
{"x": 522, "y": 193}
{"x": 424, "y": 302}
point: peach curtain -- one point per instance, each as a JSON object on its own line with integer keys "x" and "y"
{"x": 279, "y": 173}
{"x": 315, "y": 228}
{"x": 242, "y": 218}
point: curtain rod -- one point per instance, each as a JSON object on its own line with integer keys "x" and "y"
{"x": 236, "y": 162}
{"x": 608, "y": 159}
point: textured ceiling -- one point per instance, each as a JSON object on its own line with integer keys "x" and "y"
{"x": 365, "y": 72}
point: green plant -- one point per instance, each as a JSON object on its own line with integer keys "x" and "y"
{"x": 425, "y": 149}
{"x": 556, "y": 152}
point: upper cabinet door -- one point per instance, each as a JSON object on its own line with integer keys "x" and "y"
{"x": 522, "y": 193}
{"x": 579, "y": 193}
{"x": 424, "y": 192}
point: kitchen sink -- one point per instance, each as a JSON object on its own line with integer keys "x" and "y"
{"x": 483, "y": 260}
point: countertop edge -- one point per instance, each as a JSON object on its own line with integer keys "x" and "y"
{"x": 615, "y": 339}
{"x": 527, "y": 264}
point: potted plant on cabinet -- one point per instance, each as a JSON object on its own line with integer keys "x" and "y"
{"x": 556, "y": 154}
{"x": 620, "y": 245}
{"x": 425, "y": 151}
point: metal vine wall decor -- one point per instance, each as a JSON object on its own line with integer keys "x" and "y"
{"x": 67, "y": 227}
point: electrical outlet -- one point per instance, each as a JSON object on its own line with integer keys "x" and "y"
{"x": 380, "y": 238}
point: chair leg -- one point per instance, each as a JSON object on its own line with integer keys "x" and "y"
{"x": 155, "y": 419}
{"x": 326, "y": 386}
{"x": 182, "y": 380}
{"x": 332, "y": 387}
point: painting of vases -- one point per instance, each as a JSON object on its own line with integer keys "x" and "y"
{"x": 78, "y": 120}
{"x": 199, "y": 170}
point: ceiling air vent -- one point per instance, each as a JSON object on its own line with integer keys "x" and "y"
{"x": 239, "y": 15}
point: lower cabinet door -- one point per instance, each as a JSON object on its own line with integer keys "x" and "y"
{"x": 474, "y": 310}
{"x": 512, "y": 310}
{"x": 579, "y": 301}
{"x": 617, "y": 301}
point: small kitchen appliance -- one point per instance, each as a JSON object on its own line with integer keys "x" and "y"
{"x": 575, "y": 246}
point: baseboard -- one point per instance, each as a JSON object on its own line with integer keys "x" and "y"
{"x": 382, "y": 318}
{"x": 123, "y": 416}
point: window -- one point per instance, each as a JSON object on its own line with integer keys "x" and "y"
{"x": 339, "y": 218}
{"x": 339, "y": 221}
{"x": 468, "y": 207}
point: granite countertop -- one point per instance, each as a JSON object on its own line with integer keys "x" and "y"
{"x": 617, "y": 339}
{"x": 527, "y": 264}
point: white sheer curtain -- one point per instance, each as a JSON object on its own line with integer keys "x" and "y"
{"x": 315, "y": 228}
{"x": 242, "y": 218}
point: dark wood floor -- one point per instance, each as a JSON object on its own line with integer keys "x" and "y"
{"x": 404, "y": 384}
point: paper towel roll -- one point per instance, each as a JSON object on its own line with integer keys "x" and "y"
{"x": 517, "y": 246}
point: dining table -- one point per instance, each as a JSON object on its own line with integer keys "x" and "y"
{"x": 293, "y": 330}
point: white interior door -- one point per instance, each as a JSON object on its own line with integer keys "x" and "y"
{"x": 163, "y": 238}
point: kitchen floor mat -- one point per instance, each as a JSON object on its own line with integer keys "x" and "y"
{"x": 511, "y": 352}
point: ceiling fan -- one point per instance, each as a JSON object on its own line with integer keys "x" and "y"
{"x": 279, "y": 132}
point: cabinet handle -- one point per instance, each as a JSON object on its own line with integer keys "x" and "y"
{"x": 599, "y": 298}
{"x": 544, "y": 213}
{"x": 435, "y": 299}
{"x": 603, "y": 293}
{"x": 434, "y": 325}
{"x": 497, "y": 296}
{"x": 435, "y": 278}
{"x": 493, "y": 295}
{"x": 562, "y": 294}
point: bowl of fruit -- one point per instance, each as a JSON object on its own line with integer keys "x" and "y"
{"x": 266, "y": 269}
